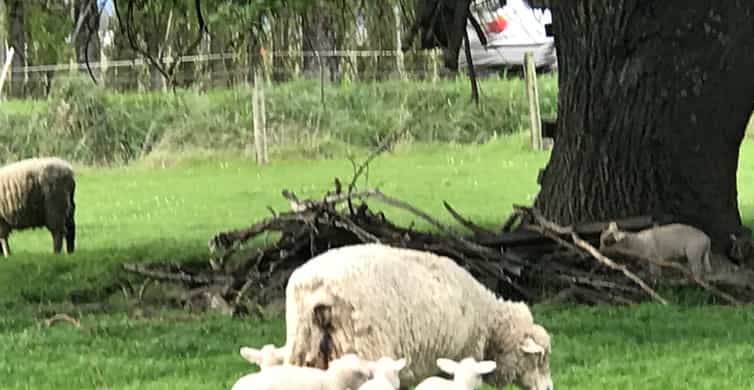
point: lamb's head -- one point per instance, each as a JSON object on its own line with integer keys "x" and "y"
{"x": 611, "y": 236}
{"x": 267, "y": 356}
{"x": 520, "y": 348}
{"x": 468, "y": 372}
{"x": 349, "y": 371}
{"x": 387, "y": 368}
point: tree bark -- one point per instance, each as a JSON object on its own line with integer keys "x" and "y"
{"x": 3, "y": 34}
{"x": 16, "y": 39}
{"x": 653, "y": 102}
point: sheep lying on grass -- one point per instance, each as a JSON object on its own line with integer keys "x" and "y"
{"x": 35, "y": 193}
{"x": 348, "y": 372}
{"x": 665, "y": 243}
{"x": 267, "y": 356}
{"x": 467, "y": 375}
{"x": 375, "y": 300}
{"x": 384, "y": 374}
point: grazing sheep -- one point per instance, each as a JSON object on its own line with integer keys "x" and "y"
{"x": 671, "y": 242}
{"x": 375, "y": 300}
{"x": 35, "y": 193}
{"x": 346, "y": 373}
{"x": 384, "y": 374}
{"x": 265, "y": 357}
{"x": 467, "y": 375}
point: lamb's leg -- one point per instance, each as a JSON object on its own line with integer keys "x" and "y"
{"x": 699, "y": 263}
{"x": 707, "y": 263}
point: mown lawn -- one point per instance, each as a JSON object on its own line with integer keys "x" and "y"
{"x": 147, "y": 212}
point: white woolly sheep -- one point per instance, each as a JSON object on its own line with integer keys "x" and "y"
{"x": 346, "y": 373}
{"x": 384, "y": 374}
{"x": 267, "y": 356}
{"x": 36, "y": 193}
{"x": 666, "y": 243}
{"x": 375, "y": 300}
{"x": 467, "y": 375}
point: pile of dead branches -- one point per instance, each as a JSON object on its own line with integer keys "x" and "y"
{"x": 528, "y": 258}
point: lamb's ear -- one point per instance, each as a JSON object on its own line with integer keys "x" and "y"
{"x": 612, "y": 227}
{"x": 251, "y": 354}
{"x": 485, "y": 367}
{"x": 447, "y": 365}
{"x": 399, "y": 364}
{"x": 531, "y": 346}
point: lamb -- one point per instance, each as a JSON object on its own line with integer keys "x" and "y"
{"x": 36, "y": 193}
{"x": 671, "y": 242}
{"x": 375, "y": 300}
{"x": 267, "y": 356}
{"x": 384, "y": 374}
{"x": 467, "y": 375}
{"x": 345, "y": 373}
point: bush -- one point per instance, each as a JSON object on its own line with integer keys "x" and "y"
{"x": 85, "y": 123}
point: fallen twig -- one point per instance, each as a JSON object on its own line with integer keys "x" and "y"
{"x": 477, "y": 230}
{"x": 620, "y": 267}
{"x": 62, "y": 317}
{"x": 689, "y": 275}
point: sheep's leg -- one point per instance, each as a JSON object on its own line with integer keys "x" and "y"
{"x": 5, "y": 247}
{"x": 70, "y": 234}
{"x": 70, "y": 222}
{"x": 4, "y": 233}
{"x": 57, "y": 242}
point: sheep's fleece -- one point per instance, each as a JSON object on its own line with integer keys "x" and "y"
{"x": 375, "y": 300}
{"x": 35, "y": 193}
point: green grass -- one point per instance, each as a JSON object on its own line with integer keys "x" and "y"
{"x": 640, "y": 347}
{"x": 166, "y": 209}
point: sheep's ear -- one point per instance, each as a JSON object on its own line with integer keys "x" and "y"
{"x": 485, "y": 367}
{"x": 612, "y": 227}
{"x": 531, "y": 346}
{"x": 447, "y": 365}
{"x": 399, "y": 364}
{"x": 251, "y": 354}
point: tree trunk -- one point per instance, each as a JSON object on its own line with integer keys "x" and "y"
{"x": 87, "y": 39}
{"x": 318, "y": 36}
{"x": 3, "y": 34}
{"x": 653, "y": 101}
{"x": 156, "y": 78}
{"x": 16, "y": 39}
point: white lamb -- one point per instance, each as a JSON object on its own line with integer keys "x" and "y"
{"x": 384, "y": 374}
{"x": 467, "y": 375}
{"x": 38, "y": 192}
{"x": 346, "y": 373}
{"x": 671, "y": 242}
{"x": 375, "y": 300}
{"x": 267, "y": 356}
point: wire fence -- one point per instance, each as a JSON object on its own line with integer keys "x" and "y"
{"x": 226, "y": 70}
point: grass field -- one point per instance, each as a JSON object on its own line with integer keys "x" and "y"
{"x": 161, "y": 210}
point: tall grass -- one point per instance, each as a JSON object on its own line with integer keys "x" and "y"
{"x": 85, "y": 123}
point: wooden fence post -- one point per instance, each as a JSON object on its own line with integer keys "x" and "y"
{"x": 6, "y": 69}
{"x": 434, "y": 56}
{"x": 399, "y": 60}
{"x": 257, "y": 117}
{"x": 532, "y": 95}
